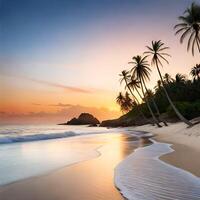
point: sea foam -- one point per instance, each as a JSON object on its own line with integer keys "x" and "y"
{"x": 27, "y": 134}
{"x": 142, "y": 176}
{"x": 35, "y": 137}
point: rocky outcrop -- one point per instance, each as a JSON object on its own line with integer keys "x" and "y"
{"x": 83, "y": 119}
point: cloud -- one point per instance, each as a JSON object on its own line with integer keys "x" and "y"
{"x": 60, "y": 105}
{"x": 52, "y": 84}
{"x": 60, "y": 116}
{"x": 65, "y": 87}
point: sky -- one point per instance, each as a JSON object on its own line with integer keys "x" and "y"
{"x": 59, "y": 58}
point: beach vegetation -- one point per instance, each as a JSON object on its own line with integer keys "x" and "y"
{"x": 172, "y": 97}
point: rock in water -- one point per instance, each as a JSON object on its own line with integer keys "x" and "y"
{"x": 83, "y": 119}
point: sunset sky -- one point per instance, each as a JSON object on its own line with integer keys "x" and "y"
{"x": 59, "y": 58}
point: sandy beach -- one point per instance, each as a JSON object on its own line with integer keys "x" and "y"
{"x": 94, "y": 179}
{"x": 185, "y": 142}
{"x": 91, "y": 180}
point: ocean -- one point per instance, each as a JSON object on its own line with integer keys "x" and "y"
{"x": 35, "y": 150}
{"x": 32, "y": 150}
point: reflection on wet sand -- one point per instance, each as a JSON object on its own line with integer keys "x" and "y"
{"x": 89, "y": 180}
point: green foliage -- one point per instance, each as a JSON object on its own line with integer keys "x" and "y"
{"x": 188, "y": 109}
{"x": 143, "y": 107}
{"x": 185, "y": 94}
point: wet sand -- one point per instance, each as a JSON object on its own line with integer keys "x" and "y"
{"x": 184, "y": 157}
{"x": 185, "y": 141}
{"x": 185, "y": 144}
{"x": 88, "y": 180}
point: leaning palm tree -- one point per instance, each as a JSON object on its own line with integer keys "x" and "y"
{"x": 125, "y": 102}
{"x": 134, "y": 84}
{"x": 151, "y": 97}
{"x": 141, "y": 71}
{"x": 195, "y": 72}
{"x": 157, "y": 52}
{"x": 125, "y": 77}
{"x": 190, "y": 26}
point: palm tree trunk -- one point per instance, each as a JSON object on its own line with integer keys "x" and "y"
{"x": 156, "y": 107}
{"x": 131, "y": 92}
{"x": 181, "y": 117}
{"x": 138, "y": 93}
{"x": 141, "y": 111}
{"x": 149, "y": 107}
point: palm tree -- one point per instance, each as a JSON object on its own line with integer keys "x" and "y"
{"x": 125, "y": 76}
{"x": 125, "y": 102}
{"x": 167, "y": 78}
{"x": 180, "y": 78}
{"x": 150, "y": 95}
{"x": 195, "y": 72}
{"x": 158, "y": 86}
{"x": 141, "y": 71}
{"x": 128, "y": 100}
{"x": 156, "y": 51}
{"x": 120, "y": 98}
{"x": 190, "y": 26}
{"x": 134, "y": 84}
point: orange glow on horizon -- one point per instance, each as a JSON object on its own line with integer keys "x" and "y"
{"x": 78, "y": 69}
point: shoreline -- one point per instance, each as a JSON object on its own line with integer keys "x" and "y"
{"x": 183, "y": 157}
{"x": 185, "y": 143}
{"x": 60, "y": 184}
{"x": 143, "y": 175}
{"x": 93, "y": 179}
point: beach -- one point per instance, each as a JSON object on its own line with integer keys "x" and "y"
{"x": 185, "y": 142}
{"x": 100, "y": 100}
{"x": 118, "y": 162}
{"x": 91, "y": 179}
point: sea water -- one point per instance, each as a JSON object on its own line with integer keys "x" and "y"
{"x": 25, "y": 133}
{"x": 27, "y": 151}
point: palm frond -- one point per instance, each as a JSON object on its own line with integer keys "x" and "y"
{"x": 190, "y": 24}
{"x": 184, "y": 35}
{"x": 181, "y": 25}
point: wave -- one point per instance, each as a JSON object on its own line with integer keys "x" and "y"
{"x": 10, "y": 138}
{"x": 35, "y": 137}
{"x": 142, "y": 175}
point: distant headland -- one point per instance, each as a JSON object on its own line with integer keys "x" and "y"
{"x": 83, "y": 119}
